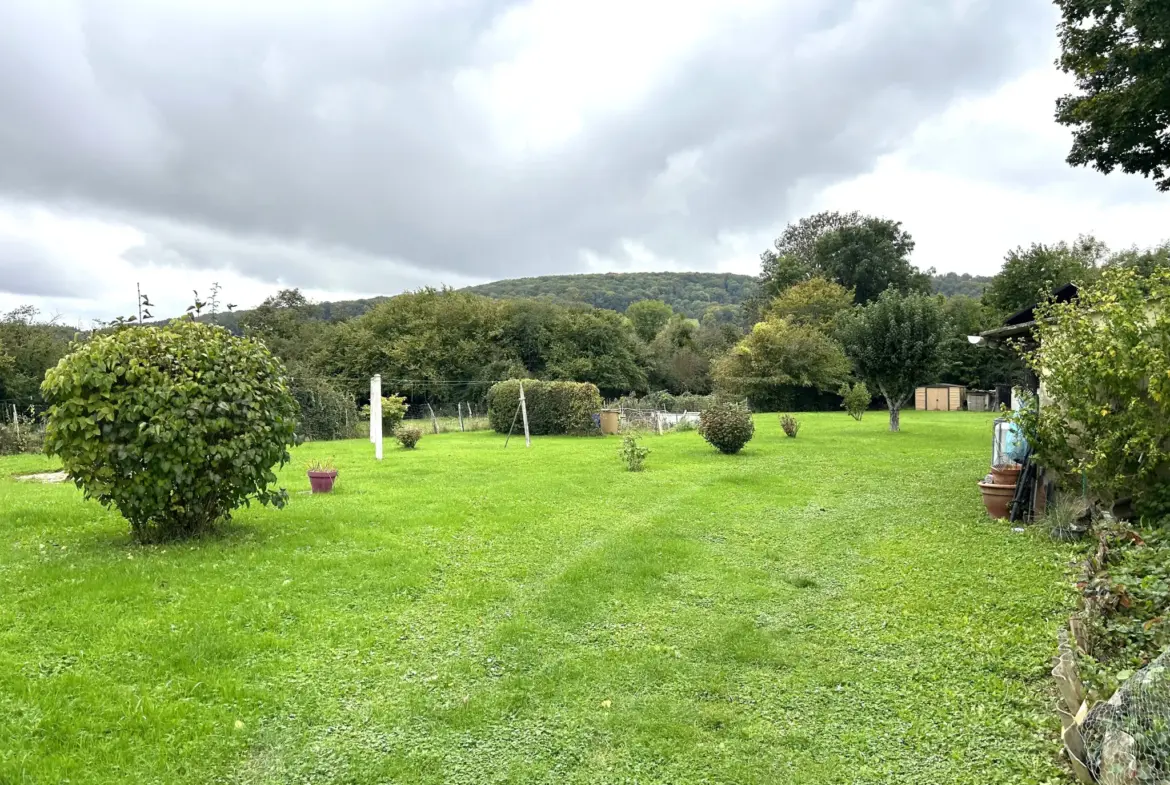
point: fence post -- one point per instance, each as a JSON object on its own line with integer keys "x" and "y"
{"x": 434, "y": 422}
{"x": 16, "y": 421}
{"x": 524, "y": 415}
{"x": 459, "y": 408}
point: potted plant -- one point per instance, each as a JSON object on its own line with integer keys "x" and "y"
{"x": 322, "y": 473}
{"x": 997, "y": 497}
{"x": 1007, "y": 474}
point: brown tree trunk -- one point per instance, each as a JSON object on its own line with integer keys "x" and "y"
{"x": 895, "y": 414}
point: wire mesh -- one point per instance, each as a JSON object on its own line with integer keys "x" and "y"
{"x": 1127, "y": 738}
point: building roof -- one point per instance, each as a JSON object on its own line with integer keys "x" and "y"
{"x": 1023, "y": 321}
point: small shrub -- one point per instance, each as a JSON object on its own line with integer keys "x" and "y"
{"x": 633, "y": 454}
{"x": 856, "y": 399}
{"x": 408, "y": 437}
{"x": 175, "y": 426}
{"x": 321, "y": 465}
{"x": 790, "y": 425}
{"x": 727, "y": 426}
{"x": 553, "y": 407}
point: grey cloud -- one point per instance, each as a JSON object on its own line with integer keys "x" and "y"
{"x": 27, "y": 268}
{"x": 343, "y": 129}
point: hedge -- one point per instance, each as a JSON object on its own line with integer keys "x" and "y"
{"x": 553, "y": 407}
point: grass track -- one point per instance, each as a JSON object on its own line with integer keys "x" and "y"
{"x": 831, "y": 609}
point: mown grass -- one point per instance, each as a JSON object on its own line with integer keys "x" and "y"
{"x": 831, "y": 609}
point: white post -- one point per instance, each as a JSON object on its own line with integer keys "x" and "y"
{"x": 376, "y": 414}
{"x": 434, "y": 422}
{"x": 373, "y": 408}
{"x": 459, "y": 408}
{"x": 16, "y": 421}
{"x": 524, "y": 414}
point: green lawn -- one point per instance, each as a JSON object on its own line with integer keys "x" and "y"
{"x": 831, "y": 609}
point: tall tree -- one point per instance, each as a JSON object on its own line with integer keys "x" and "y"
{"x": 648, "y": 317}
{"x": 896, "y": 344}
{"x": 869, "y": 258}
{"x": 792, "y": 257}
{"x": 1030, "y": 275}
{"x": 286, "y": 322}
{"x": 676, "y": 362}
{"x": 1119, "y": 52}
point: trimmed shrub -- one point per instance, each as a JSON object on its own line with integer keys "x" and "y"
{"x": 790, "y": 425}
{"x": 174, "y": 426}
{"x": 553, "y": 407}
{"x": 856, "y": 399}
{"x": 408, "y": 437}
{"x": 727, "y": 426}
{"x": 633, "y": 454}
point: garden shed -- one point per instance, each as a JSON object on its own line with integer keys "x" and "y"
{"x": 940, "y": 398}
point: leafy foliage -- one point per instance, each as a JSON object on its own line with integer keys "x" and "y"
{"x": 896, "y": 344}
{"x": 816, "y": 302}
{"x": 777, "y": 357}
{"x": 792, "y": 257}
{"x": 856, "y": 399}
{"x": 326, "y": 411}
{"x": 1030, "y": 275}
{"x": 870, "y": 258}
{"x": 952, "y": 284}
{"x": 24, "y": 437}
{"x": 174, "y": 426}
{"x": 1125, "y": 593}
{"x": 790, "y": 425}
{"x": 28, "y": 348}
{"x": 677, "y": 361}
{"x": 1118, "y": 53}
{"x": 1105, "y": 363}
{"x": 393, "y": 410}
{"x": 633, "y": 453}
{"x": 983, "y": 366}
{"x": 409, "y": 436}
{"x": 648, "y": 317}
{"x": 553, "y": 407}
{"x": 726, "y": 426}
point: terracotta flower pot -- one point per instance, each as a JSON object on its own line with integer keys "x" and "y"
{"x": 1006, "y": 474}
{"x": 322, "y": 482}
{"x": 997, "y": 498}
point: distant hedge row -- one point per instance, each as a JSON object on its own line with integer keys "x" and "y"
{"x": 553, "y": 407}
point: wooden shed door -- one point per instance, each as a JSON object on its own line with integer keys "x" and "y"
{"x": 936, "y": 399}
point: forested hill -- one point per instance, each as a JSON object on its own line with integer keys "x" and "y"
{"x": 688, "y": 293}
{"x": 951, "y": 284}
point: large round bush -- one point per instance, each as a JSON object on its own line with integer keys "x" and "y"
{"x": 174, "y": 426}
{"x": 727, "y": 426}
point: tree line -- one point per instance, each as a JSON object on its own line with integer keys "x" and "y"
{"x": 790, "y": 344}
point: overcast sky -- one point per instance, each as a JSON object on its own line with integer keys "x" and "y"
{"x": 355, "y": 148}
